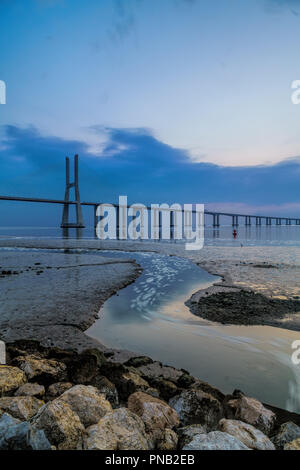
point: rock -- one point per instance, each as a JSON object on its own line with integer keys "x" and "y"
{"x": 21, "y": 436}
{"x": 251, "y": 411}
{"x": 207, "y": 388}
{"x": 10, "y": 379}
{"x": 127, "y": 380}
{"x": 185, "y": 381}
{"x": 5, "y": 422}
{"x": 215, "y": 440}
{"x": 294, "y": 445}
{"x": 60, "y": 424}
{"x": 287, "y": 433}
{"x": 22, "y": 408}
{"x": 42, "y": 370}
{"x": 138, "y": 361}
{"x": 130, "y": 383}
{"x": 84, "y": 367}
{"x": 156, "y": 369}
{"x": 89, "y": 404}
{"x": 168, "y": 441}
{"x": 58, "y": 388}
{"x": 156, "y": 414}
{"x": 106, "y": 387}
{"x": 118, "y": 430}
{"x": 250, "y": 436}
{"x": 187, "y": 433}
{"x": 167, "y": 389}
{"x": 17, "y": 435}
{"x": 197, "y": 407}
{"x": 30, "y": 390}
{"x": 153, "y": 392}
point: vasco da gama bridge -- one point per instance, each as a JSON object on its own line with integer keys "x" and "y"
{"x": 258, "y": 220}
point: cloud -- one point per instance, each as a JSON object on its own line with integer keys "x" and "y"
{"x": 135, "y": 163}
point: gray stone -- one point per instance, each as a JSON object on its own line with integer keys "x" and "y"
{"x": 197, "y": 407}
{"x": 87, "y": 402}
{"x": 61, "y": 425}
{"x": 251, "y": 411}
{"x": 30, "y": 390}
{"x": 17, "y": 435}
{"x": 288, "y": 432}
{"x": 249, "y": 435}
{"x": 118, "y": 430}
{"x": 187, "y": 433}
{"x": 215, "y": 440}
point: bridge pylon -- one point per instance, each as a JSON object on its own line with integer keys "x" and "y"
{"x": 65, "y": 217}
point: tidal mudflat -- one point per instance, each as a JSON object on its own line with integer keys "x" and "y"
{"x": 256, "y": 359}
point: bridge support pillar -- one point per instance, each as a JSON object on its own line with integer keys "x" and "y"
{"x": 216, "y": 220}
{"x": 258, "y": 220}
{"x": 235, "y": 220}
{"x": 268, "y": 221}
{"x": 248, "y": 220}
{"x": 297, "y": 221}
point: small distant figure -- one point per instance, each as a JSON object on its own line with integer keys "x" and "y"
{"x": 234, "y": 233}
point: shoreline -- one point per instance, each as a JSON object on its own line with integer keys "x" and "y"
{"x": 269, "y": 291}
{"x": 71, "y": 334}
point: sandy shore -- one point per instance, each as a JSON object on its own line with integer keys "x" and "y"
{"x": 33, "y": 303}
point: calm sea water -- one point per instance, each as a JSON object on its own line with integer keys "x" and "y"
{"x": 272, "y": 235}
{"x": 151, "y": 318}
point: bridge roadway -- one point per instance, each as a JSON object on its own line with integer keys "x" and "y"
{"x": 215, "y": 215}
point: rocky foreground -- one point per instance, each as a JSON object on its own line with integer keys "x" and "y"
{"x": 54, "y": 399}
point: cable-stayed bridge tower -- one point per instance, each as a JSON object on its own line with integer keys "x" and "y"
{"x": 65, "y": 217}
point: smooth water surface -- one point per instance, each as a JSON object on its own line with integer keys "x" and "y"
{"x": 151, "y": 318}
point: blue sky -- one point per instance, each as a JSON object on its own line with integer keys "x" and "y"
{"x": 166, "y": 101}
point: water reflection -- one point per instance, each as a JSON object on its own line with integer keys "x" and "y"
{"x": 150, "y": 317}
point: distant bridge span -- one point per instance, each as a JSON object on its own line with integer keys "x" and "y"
{"x": 236, "y": 217}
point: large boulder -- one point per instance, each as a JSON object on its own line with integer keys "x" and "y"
{"x": 250, "y": 436}
{"x": 11, "y": 378}
{"x": 156, "y": 414}
{"x": 294, "y": 445}
{"x": 197, "y": 407}
{"x": 118, "y": 430}
{"x": 215, "y": 440}
{"x": 42, "y": 370}
{"x": 89, "y": 404}
{"x": 30, "y": 390}
{"x": 287, "y": 433}
{"x": 61, "y": 425}
{"x": 17, "y": 435}
{"x": 251, "y": 411}
{"x": 22, "y": 408}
